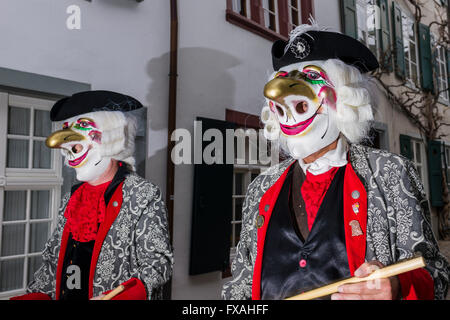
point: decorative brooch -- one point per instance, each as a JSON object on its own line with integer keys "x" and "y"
{"x": 300, "y": 48}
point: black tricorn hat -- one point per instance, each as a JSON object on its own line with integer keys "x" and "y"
{"x": 323, "y": 45}
{"x": 91, "y": 101}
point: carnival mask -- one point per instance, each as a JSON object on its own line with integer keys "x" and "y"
{"x": 81, "y": 143}
{"x": 303, "y": 99}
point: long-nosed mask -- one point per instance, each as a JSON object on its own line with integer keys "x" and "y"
{"x": 303, "y": 99}
{"x": 88, "y": 142}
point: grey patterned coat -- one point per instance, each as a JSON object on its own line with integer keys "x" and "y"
{"x": 137, "y": 244}
{"x": 398, "y": 219}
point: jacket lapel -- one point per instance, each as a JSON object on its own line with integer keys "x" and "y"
{"x": 62, "y": 252}
{"x": 355, "y": 218}
{"x": 112, "y": 210}
{"x": 262, "y": 221}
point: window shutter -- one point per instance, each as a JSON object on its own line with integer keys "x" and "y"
{"x": 406, "y": 147}
{"x": 435, "y": 173}
{"x": 426, "y": 72}
{"x": 385, "y": 35}
{"x": 399, "y": 53}
{"x": 349, "y": 21}
{"x": 212, "y": 209}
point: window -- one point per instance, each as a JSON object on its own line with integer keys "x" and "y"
{"x": 410, "y": 49}
{"x": 294, "y": 13}
{"x": 30, "y": 182}
{"x": 419, "y": 160}
{"x": 270, "y": 11}
{"x": 252, "y": 155}
{"x": 242, "y": 176}
{"x": 366, "y": 23}
{"x": 440, "y": 68}
{"x": 242, "y": 7}
{"x": 377, "y": 137}
{"x": 271, "y": 19}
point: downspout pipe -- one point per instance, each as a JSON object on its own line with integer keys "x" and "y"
{"x": 171, "y": 125}
{"x": 173, "y": 75}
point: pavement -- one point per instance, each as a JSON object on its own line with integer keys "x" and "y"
{"x": 444, "y": 246}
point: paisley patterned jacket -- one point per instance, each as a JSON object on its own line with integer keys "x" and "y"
{"x": 398, "y": 219}
{"x": 136, "y": 245}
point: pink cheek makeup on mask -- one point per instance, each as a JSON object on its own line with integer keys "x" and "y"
{"x": 96, "y": 136}
{"x": 328, "y": 96}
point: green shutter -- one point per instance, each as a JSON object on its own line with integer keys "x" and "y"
{"x": 435, "y": 173}
{"x": 385, "y": 35}
{"x": 406, "y": 147}
{"x": 399, "y": 53}
{"x": 426, "y": 72}
{"x": 349, "y": 18}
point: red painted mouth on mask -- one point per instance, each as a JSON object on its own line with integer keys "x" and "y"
{"x": 297, "y": 128}
{"x": 77, "y": 161}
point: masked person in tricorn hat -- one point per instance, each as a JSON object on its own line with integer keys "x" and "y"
{"x": 334, "y": 209}
{"x": 112, "y": 229}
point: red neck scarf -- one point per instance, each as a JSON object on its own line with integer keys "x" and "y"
{"x": 85, "y": 211}
{"x": 313, "y": 191}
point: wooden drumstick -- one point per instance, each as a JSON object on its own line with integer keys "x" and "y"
{"x": 119, "y": 289}
{"x": 386, "y": 272}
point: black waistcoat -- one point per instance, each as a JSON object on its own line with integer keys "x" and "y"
{"x": 291, "y": 266}
{"x": 80, "y": 253}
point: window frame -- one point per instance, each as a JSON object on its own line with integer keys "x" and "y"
{"x": 243, "y": 121}
{"x": 407, "y": 57}
{"x": 27, "y": 179}
{"x": 441, "y": 61}
{"x": 275, "y": 13}
{"x": 255, "y": 22}
{"x": 247, "y": 171}
{"x": 291, "y": 9}
{"x": 423, "y": 164}
{"x": 247, "y": 7}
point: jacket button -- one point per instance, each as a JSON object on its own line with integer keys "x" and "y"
{"x": 266, "y": 208}
{"x": 259, "y": 221}
{"x": 115, "y": 204}
{"x": 302, "y": 263}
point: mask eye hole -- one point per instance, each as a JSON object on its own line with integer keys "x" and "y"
{"x": 280, "y": 111}
{"x": 301, "y": 107}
